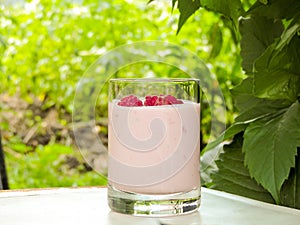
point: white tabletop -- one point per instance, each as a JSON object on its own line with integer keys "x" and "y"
{"x": 88, "y": 206}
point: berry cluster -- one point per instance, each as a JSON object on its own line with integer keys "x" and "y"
{"x": 130, "y": 100}
{"x": 161, "y": 100}
{"x": 150, "y": 100}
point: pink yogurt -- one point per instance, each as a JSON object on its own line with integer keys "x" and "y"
{"x": 154, "y": 149}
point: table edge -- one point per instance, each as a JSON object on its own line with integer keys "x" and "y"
{"x": 60, "y": 190}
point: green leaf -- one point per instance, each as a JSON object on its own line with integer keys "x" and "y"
{"x": 186, "y": 9}
{"x": 227, "y": 134}
{"x": 287, "y": 58}
{"x": 20, "y": 147}
{"x": 233, "y": 176}
{"x": 173, "y": 3}
{"x": 252, "y": 108}
{"x": 231, "y": 10}
{"x": 264, "y": 1}
{"x": 277, "y": 73}
{"x": 215, "y": 40}
{"x": 288, "y": 34}
{"x": 254, "y": 39}
{"x": 270, "y": 146}
{"x": 262, "y": 108}
{"x": 277, "y": 9}
{"x": 242, "y": 93}
{"x": 290, "y": 191}
{"x": 286, "y": 52}
{"x": 276, "y": 84}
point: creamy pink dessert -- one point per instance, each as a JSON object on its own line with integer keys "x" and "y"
{"x": 154, "y": 149}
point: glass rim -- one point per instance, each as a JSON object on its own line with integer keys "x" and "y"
{"x": 155, "y": 79}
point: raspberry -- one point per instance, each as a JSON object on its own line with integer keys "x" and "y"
{"x": 169, "y": 100}
{"x": 130, "y": 100}
{"x": 161, "y": 100}
{"x": 150, "y": 100}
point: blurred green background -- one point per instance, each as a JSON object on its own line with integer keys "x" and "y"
{"x": 47, "y": 45}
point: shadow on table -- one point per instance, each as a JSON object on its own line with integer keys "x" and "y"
{"x": 121, "y": 219}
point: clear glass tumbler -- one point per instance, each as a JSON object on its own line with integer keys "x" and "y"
{"x": 154, "y": 146}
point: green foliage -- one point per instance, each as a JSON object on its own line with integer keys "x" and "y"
{"x": 267, "y": 100}
{"x": 272, "y": 142}
{"x": 271, "y": 139}
{"x": 46, "y": 46}
{"x": 231, "y": 11}
{"x": 279, "y": 9}
{"x": 250, "y": 29}
{"x": 289, "y": 193}
{"x": 47, "y": 167}
{"x": 233, "y": 175}
{"x": 186, "y": 9}
{"x": 50, "y": 45}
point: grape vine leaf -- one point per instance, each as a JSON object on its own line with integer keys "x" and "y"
{"x": 230, "y": 10}
{"x": 252, "y": 108}
{"x": 215, "y": 40}
{"x": 276, "y": 84}
{"x": 242, "y": 93}
{"x": 254, "y": 41}
{"x": 173, "y": 3}
{"x": 233, "y": 176}
{"x": 290, "y": 191}
{"x": 264, "y": 1}
{"x": 289, "y": 33}
{"x": 186, "y": 9}
{"x": 278, "y": 9}
{"x": 270, "y": 146}
{"x": 290, "y": 43}
{"x": 277, "y": 73}
{"x": 227, "y": 135}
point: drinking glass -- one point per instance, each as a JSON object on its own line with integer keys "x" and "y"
{"x": 154, "y": 146}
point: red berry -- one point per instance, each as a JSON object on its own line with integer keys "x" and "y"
{"x": 150, "y": 100}
{"x": 169, "y": 100}
{"x": 130, "y": 100}
{"x": 161, "y": 100}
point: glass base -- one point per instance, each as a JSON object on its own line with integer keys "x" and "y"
{"x": 153, "y": 205}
